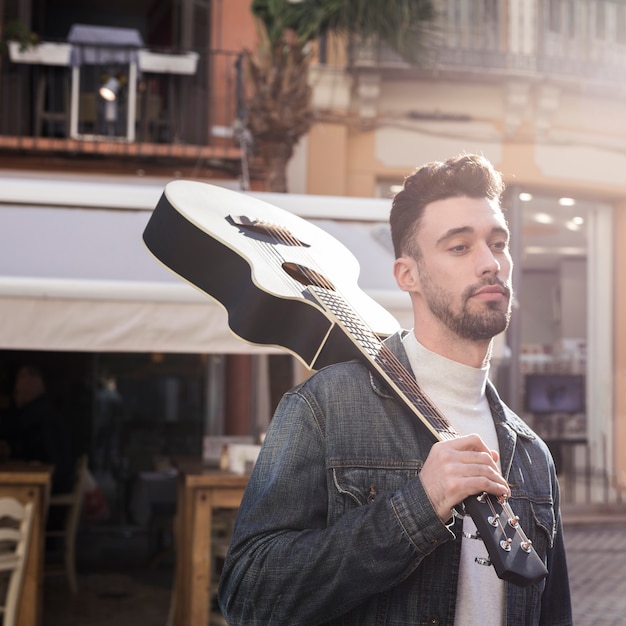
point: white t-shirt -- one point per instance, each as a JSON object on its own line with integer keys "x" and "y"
{"x": 458, "y": 391}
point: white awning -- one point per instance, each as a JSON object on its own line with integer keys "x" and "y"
{"x": 76, "y": 276}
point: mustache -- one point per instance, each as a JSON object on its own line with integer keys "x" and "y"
{"x": 490, "y": 282}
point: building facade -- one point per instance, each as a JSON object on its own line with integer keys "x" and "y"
{"x": 535, "y": 85}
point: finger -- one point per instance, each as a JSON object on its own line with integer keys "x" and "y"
{"x": 467, "y": 442}
{"x": 469, "y": 451}
{"x": 449, "y": 476}
{"x": 481, "y": 464}
{"x": 472, "y": 443}
{"x": 494, "y": 481}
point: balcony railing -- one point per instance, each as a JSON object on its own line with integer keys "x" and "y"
{"x": 572, "y": 40}
{"x": 167, "y": 104}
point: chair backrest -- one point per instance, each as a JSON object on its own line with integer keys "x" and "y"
{"x": 78, "y": 490}
{"x": 72, "y": 501}
{"x": 15, "y": 525}
{"x": 71, "y": 505}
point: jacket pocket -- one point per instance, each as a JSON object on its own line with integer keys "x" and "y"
{"x": 545, "y": 521}
{"x": 359, "y": 484}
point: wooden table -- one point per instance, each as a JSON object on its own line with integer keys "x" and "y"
{"x": 30, "y": 483}
{"x": 198, "y": 495}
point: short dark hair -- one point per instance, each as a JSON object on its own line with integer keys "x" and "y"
{"x": 468, "y": 175}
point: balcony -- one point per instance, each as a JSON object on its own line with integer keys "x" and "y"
{"x": 167, "y": 104}
{"x": 578, "y": 43}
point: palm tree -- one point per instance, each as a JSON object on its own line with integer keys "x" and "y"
{"x": 278, "y": 99}
{"x": 278, "y": 110}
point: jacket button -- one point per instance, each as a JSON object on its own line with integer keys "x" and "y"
{"x": 433, "y": 621}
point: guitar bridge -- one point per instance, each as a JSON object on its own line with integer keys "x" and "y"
{"x": 273, "y": 232}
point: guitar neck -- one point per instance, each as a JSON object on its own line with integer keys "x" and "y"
{"x": 384, "y": 362}
{"x": 511, "y": 555}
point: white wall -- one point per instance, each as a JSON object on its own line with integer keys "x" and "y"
{"x": 538, "y": 298}
{"x": 554, "y": 303}
{"x": 574, "y": 298}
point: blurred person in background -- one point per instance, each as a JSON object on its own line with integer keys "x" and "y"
{"x": 35, "y": 431}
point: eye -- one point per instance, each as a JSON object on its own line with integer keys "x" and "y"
{"x": 500, "y": 246}
{"x": 459, "y": 248}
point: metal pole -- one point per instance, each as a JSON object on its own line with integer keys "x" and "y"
{"x": 514, "y": 333}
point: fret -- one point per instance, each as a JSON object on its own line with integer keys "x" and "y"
{"x": 385, "y": 361}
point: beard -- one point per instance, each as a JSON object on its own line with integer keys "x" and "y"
{"x": 475, "y": 325}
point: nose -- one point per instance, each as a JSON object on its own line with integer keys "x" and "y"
{"x": 488, "y": 262}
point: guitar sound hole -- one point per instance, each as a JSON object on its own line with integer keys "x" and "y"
{"x": 306, "y": 276}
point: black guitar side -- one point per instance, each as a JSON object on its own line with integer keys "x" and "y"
{"x": 257, "y": 312}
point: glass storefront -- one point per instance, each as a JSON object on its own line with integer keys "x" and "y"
{"x": 131, "y": 413}
{"x": 554, "y": 366}
{"x": 552, "y": 294}
{"x": 564, "y": 345}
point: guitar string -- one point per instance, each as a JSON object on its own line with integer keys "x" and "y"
{"x": 271, "y": 255}
{"x": 409, "y": 387}
{"x": 378, "y": 352}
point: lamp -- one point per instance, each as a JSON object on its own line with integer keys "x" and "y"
{"x": 109, "y": 90}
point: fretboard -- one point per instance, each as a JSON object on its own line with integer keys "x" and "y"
{"x": 384, "y": 362}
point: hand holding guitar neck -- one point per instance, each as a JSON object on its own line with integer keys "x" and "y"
{"x": 459, "y": 468}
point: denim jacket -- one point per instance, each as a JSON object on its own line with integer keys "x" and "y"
{"x": 336, "y": 528}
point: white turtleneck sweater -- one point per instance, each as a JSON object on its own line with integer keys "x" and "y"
{"x": 458, "y": 391}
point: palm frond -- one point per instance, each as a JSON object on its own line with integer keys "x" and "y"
{"x": 401, "y": 23}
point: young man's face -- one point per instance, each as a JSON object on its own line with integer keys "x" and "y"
{"x": 464, "y": 270}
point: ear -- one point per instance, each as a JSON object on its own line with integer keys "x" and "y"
{"x": 406, "y": 274}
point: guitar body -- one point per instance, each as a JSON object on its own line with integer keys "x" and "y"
{"x": 208, "y": 236}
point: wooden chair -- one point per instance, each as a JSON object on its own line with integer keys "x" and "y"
{"x": 223, "y": 523}
{"x": 16, "y": 520}
{"x": 62, "y": 116}
{"x": 73, "y": 503}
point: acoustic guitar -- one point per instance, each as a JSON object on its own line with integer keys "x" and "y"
{"x": 287, "y": 283}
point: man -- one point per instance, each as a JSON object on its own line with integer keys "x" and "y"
{"x": 37, "y": 432}
{"x": 348, "y": 517}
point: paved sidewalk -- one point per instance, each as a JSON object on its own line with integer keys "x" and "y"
{"x": 595, "y": 541}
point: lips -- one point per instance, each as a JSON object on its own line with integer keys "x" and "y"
{"x": 491, "y": 293}
{"x": 491, "y": 289}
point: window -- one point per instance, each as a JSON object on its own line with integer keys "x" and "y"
{"x": 554, "y": 16}
{"x": 600, "y": 19}
{"x": 620, "y": 24}
{"x": 571, "y": 18}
